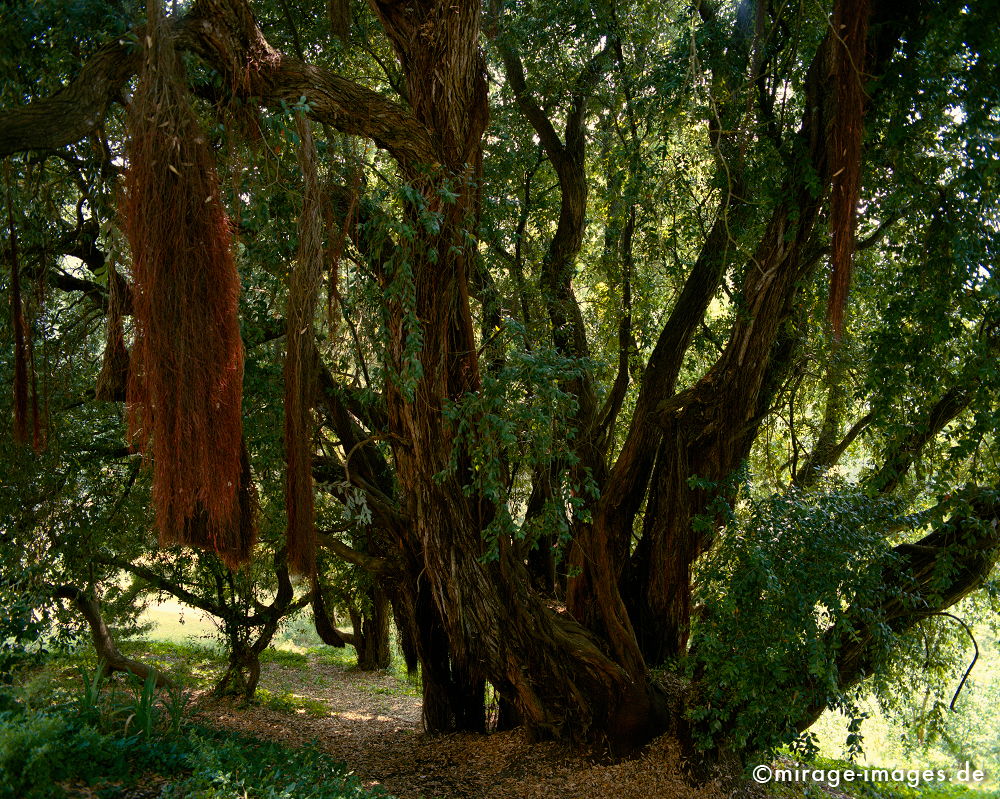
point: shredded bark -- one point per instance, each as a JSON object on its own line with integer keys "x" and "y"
{"x": 186, "y": 366}
{"x": 300, "y": 362}
{"x": 20, "y": 328}
{"x": 850, "y": 23}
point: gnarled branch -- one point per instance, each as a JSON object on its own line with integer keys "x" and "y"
{"x": 104, "y": 643}
{"x": 226, "y": 35}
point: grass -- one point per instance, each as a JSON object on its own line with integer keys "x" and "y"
{"x": 175, "y": 622}
{"x": 187, "y": 648}
{"x": 286, "y": 658}
{"x": 48, "y": 743}
{"x": 288, "y": 702}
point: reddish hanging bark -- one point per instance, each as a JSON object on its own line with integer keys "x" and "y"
{"x": 186, "y": 378}
{"x": 38, "y": 432}
{"x": 39, "y": 406}
{"x": 850, "y": 25}
{"x": 300, "y": 363}
{"x": 25, "y": 377}
{"x": 113, "y": 377}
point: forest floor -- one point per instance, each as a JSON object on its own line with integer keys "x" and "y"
{"x": 371, "y": 721}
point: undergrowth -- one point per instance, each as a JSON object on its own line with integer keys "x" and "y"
{"x": 80, "y": 740}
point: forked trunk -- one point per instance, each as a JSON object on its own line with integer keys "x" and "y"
{"x": 492, "y": 626}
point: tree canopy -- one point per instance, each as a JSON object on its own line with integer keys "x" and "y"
{"x": 637, "y": 360}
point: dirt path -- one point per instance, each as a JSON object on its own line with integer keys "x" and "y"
{"x": 370, "y": 722}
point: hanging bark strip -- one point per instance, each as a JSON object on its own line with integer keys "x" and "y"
{"x": 850, "y": 25}
{"x": 186, "y": 377}
{"x": 335, "y": 248}
{"x": 39, "y": 407}
{"x": 300, "y": 362}
{"x": 113, "y": 378}
{"x": 17, "y": 315}
{"x": 38, "y": 433}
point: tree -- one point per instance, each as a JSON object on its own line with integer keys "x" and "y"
{"x": 598, "y": 327}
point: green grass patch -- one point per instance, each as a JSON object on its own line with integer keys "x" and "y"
{"x": 385, "y": 690}
{"x": 287, "y": 702}
{"x": 285, "y": 657}
{"x": 191, "y": 663}
{"x": 343, "y": 657}
{"x": 174, "y": 621}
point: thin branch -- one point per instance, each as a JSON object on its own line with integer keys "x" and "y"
{"x": 370, "y": 563}
{"x": 975, "y": 657}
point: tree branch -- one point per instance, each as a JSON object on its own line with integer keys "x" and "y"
{"x": 927, "y": 577}
{"x": 226, "y": 35}
{"x": 104, "y": 643}
{"x": 907, "y": 447}
{"x": 74, "y": 111}
{"x": 819, "y": 461}
{"x": 161, "y": 583}
{"x": 369, "y": 563}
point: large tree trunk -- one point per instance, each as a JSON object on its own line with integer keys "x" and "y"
{"x": 243, "y": 664}
{"x": 559, "y": 677}
{"x": 707, "y": 430}
{"x": 241, "y": 675}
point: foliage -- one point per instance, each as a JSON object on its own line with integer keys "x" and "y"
{"x": 22, "y": 625}
{"x": 41, "y": 751}
{"x": 791, "y": 577}
{"x": 521, "y": 421}
{"x": 288, "y": 702}
{"x": 138, "y": 710}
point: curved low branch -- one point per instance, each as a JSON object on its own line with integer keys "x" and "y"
{"x": 225, "y": 33}
{"x": 975, "y": 656}
{"x": 348, "y": 107}
{"x": 104, "y": 642}
{"x": 325, "y": 628}
{"x": 74, "y": 111}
